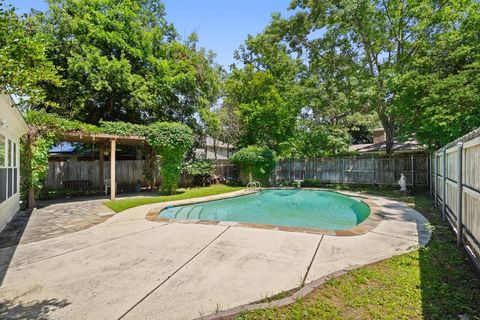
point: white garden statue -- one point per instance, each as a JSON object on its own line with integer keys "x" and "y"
{"x": 402, "y": 182}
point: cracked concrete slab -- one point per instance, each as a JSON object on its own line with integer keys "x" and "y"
{"x": 241, "y": 266}
{"x": 104, "y": 280}
{"x": 149, "y": 270}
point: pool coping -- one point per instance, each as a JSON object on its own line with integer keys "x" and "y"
{"x": 372, "y": 221}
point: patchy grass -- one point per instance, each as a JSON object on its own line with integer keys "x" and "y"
{"x": 123, "y": 204}
{"x": 434, "y": 282}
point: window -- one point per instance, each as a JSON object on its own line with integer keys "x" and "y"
{"x": 8, "y": 168}
{"x": 3, "y": 184}
{"x": 3, "y": 170}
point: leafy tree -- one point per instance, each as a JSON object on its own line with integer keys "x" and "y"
{"x": 256, "y": 162}
{"x": 121, "y": 60}
{"x": 374, "y": 41}
{"x": 23, "y": 64}
{"x": 313, "y": 140}
{"x": 266, "y": 118}
{"x": 230, "y": 127}
{"x": 321, "y": 92}
{"x": 211, "y": 127}
{"x": 263, "y": 94}
{"x": 439, "y": 98}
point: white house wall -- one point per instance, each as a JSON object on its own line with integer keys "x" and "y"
{"x": 16, "y": 127}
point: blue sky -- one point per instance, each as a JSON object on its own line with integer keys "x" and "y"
{"x": 222, "y": 25}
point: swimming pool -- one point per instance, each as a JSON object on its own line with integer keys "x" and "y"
{"x": 289, "y": 208}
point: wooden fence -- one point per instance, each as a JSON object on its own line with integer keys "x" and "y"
{"x": 455, "y": 173}
{"x": 129, "y": 173}
{"x": 374, "y": 171}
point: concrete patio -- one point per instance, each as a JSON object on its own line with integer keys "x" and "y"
{"x": 131, "y": 268}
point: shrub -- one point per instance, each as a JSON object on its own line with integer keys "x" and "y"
{"x": 256, "y": 162}
{"x": 170, "y": 141}
{"x": 200, "y": 171}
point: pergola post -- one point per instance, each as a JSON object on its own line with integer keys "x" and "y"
{"x": 112, "y": 169}
{"x": 101, "y": 168}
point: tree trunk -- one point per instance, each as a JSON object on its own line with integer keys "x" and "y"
{"x": 389, "y": 126}
{"x": 28, "y": 170}
{"x": 215, "y": 148}
{"x": 205, "y": 147}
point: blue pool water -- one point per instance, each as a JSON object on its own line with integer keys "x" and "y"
{"x": 290, "y": 208}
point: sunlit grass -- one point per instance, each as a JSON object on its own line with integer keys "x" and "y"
{"x": 435, "y": 282}
{"x": 123, "y": 204}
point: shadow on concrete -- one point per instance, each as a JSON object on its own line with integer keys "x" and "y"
{"x": 32, "y": 310}
{"x": 9, "y": 239}
{"x": 94, "y": 197}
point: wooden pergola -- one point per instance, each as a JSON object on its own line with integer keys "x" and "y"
{"x": 103, "y": 140}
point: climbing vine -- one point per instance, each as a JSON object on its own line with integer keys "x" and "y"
{"x": 256, "y": 162}
{"x": 169, "y": 141}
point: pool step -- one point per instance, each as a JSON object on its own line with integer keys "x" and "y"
{"x": 195, "y": 213}
{"x": 182, "y": 213}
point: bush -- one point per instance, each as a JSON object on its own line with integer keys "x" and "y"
{"x": 256, "y": 162}
{"x": 200, "y": 171}
{"x": 170, "y": 141}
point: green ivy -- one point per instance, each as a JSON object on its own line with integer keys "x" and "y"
{"x": 170, "y": 141}
{"x": 257, "y": 162}
{"x": 34, "y": 161}
{"x": 51, "y": 122}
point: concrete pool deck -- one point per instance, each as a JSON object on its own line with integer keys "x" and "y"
{"x": 130, "y": 268}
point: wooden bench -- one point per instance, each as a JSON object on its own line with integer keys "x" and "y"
{"x": 77, "y": 184}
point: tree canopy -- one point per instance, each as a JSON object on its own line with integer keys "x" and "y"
{"x": 307, "y": 85}
{"x": 122, "y": 60}
{"x": 362, "y": 56}
{"x": 439, "y": 95}
{"x": 23, "y": 64}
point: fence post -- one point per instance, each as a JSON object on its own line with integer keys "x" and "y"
{"x": 413, "y": 172}
{"x": 373, "y": 171}
{"x": 343, "y": 170}
{"x": 460, "y": 192}
{"x": 444, "y": 191}
{"x": 430, "y": 173}
{"x": 435, "y": 180}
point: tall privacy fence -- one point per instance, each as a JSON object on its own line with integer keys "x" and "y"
{"x": 374, "y": 171}
{"x": 455, "y": 175}
{"x": 359, "y": 170}
{"x": 129, "y": 174}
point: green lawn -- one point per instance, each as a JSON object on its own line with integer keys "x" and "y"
{"x": 123, "y": 204}
{"x": 435, "y": 282}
